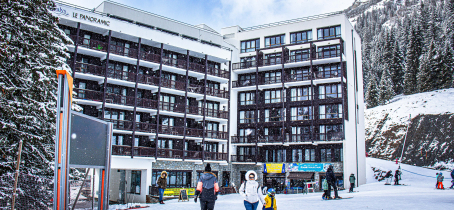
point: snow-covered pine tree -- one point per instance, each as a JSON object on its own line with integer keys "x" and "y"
{"x": 386, "y": 88}
{"x": 396, "y": 69}
{"x": 411, "y": 68}
{"x": 32, "y": 48}
{"x": 428, "y": 71}
{"x": 372, "y": 92}
{"x": 446, "y": 66}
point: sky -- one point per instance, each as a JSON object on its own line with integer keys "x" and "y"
{"x": 224, "y": 13}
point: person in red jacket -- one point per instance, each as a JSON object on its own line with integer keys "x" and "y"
{"x": 207, "y": 189}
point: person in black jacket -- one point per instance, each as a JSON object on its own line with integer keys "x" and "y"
{"x": 331, "y": 182}
{"x": 207, "y": 189}
{"x": 452, "y": 177}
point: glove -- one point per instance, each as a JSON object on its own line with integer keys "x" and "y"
{"x": 216, "y": 197}
{"x": 195, "y": 199}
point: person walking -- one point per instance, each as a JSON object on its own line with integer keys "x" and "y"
{"x": 325, "y": 189}
{"x": 207, "y": 189}
{"x": 162, "y": 185}
{"x": 440, "y": 181}
{"x": 270, "y": 200}
{"x": 251, "y": 191}
{"x": 331, "y": 182}
{"x": 452, "y": 181}
{"x": 352, "y": 182}
{"x": 436, "y": 183}
{"x": 389, "y": 177}
{"x": 397, "y": 177}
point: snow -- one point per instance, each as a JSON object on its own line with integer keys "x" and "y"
{"x": 418, "y": 193}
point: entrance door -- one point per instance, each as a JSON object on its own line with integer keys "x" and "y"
{"x": 225, "y": 178}
{"x": 242, "y": 177}
{"x": 122, "y": 189}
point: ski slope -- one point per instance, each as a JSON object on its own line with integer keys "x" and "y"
{"x": 420, "y": 194}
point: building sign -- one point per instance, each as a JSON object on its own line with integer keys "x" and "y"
{"x": 91, "y": 19}
{"x": 308, "y": 167}
{"x": 61, "y": 11}
{"x": 274, "y": 168}
{"x": 176, "y": 191}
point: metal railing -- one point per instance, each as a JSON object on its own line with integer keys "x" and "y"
{"x": 243, "y": 158}
{"x": 89, "y": 69}
{"x": 243, "y": 140}
{"x": 88, "y": 94}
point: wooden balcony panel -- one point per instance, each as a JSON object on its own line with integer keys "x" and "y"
{"x": 194, "y": 155}
{"x": 244, "y": 65}
{"x": 243, "y": 158}
{"x": 88, "y": 94}
{"x": 90, "y": 43}
{"x": 170, "y": 153}
{"x": 215, "y": 156}
{"x": 90, "y": 69}
{"x": 149, "y": 80}
{"x": 119, "y": 99}
{"x": 123, "y": 51}
{"x": 197, "y": 67}
{"x": 123, "y": 150}
{"x": 243, "y": 139}
{"x": 245, "y": 83}
{"x": 145, "y": 127}
{"x": 171, "y": 130}
{"x": 144, "y": 151}
{"x": 333, "y": 136}
{"x": 194, "y": 132}
{"x": 147, "y": 103}
{"x": 151, "y": 57}
{"x": 270, "y": 139}
{"x": 121, "y": 75}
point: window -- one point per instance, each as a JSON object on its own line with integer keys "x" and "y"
{"x": 246, "y": 80}
{"x": 273, "y": 96}
{"x": 301, "y": 94}
{"x": 67, "y": 32}
{"x": 330, "y": 111}
{"x": 273, "y": 59}
{"x": 250, "y": 45}
{"x": 81, "y": 92}
{"x": 328, "y": 71}
{"x": 247, "y": 62}
{"x": 299, "y": 55}
{"x": 246, "y": 135}
{"x": 301, "y": 133}
{"x": 328, "y": 32}
{"x": 329, "y": 51}
{"x": 301, "y": 113}
{"x": 330, "y": 91}
{"x": 331, "y": 132}
{"x": 212, "y": 129}
{"x": 175, "y": 179}
{"x": 274, "y": 115}
{"x": 167, "y": 102}
{"x": 247, "y": 98}
{"x": 272, "y": 77}
{"x": 247, "y": 117}
{"x": 275, "y": 40}
{"x": 301, "y": 37}
{"x": 309, "y": 155}
{"x": 297, "y": 155}
{"x": 299, "y": 75}
{"x": 325, "y": 155}
{"x": 135, "y": 182}
{"x": 338, "y": 155}
{"x": 211, "y": 108}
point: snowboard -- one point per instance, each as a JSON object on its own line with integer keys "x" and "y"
{"x": 353, "y": 192}
{"x": 337, "y": 198}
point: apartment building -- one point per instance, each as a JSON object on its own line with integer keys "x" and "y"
{"x": 164, "y": 85}
{"x": 284, "y": 99}
{"x": 297, "y": 101}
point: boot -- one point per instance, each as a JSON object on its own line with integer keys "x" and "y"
{"x": 161, "y": 202}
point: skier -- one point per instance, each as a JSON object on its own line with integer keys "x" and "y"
{"x": 251, "y": 191}
{"x": 162, "y": 185}
{"x": 331, "y": 182}
{"x": 452, "y": 177}
{"x": 352, "y": 182}
{"x": 325, "y": 189}
{"x": 270, "y": 200}
{"x": 207, "y": 189}
{"x": 436, "y": 184}
{"x": 397, "y": 177}
{"x": 440, "y": 181}
{"x": 388, "y": 177}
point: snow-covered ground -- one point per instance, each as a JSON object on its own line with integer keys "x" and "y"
{"x": 419, "y": 194}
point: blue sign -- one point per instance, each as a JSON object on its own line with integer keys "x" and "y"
{"x": 308, "y": 167}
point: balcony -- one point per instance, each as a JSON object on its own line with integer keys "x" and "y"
{"x": 243, "y": 140}
{"x": 328, "y": 54}
{"x": 333, "y": 136}
{"x": 215, "y": 113}
{"x": 145, "y": 127}
{"x": 89, "y": 69}
{"x": 173, "y": 107}
{"x": 147, "y": 56}
{"x": 121, "y": 124}
{"x": 171, "y": 130}
{"x": 194, "y": 132}
{"x": 170, "y": 153}
{"x": 217, "y": 92}
{"x": 215, "y": 156}
{"x": 244, "y": 65}
{"x": 147, "y": 103}
{"x": 216, "y": 134}
{"x": 88, "y": 94}
{"x": 122, "y": 150}
{"x": 194, "y": 155}
{"x": 296, "y": 138}
{"x": 270, "y": 139}
{"x": 243, "y": 158}
{"x": 172, "y": 84}
{"x": 121, "y": 75}
{"x": 148, "y": 80}
{"x": 298, "y": 77}
{"x": 244, "y": 83}
{"x": 119, "y": 99}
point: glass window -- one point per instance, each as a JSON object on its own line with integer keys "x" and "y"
{"x": 247, "y": 98}
{"x": 272, "y": 77}
{"x": 329, "y": 32}
{"x": 273, "y": 96}
{"x": 275, "y": 40}
{"x": 250, "y": 45}
{"x": 273, "y": 59}
{"x": 328, "y": 71}
{"x": 301, "y": 37}
{"x": 330, "y": 132}
{"x": 301, "y": 133}
{"x": 325, "y": 155}
{"x": 299, "y": 74}
{"x": 328, "y": 51}
{"x": 299, "y": 55}
{"x": 297, "y": 155}
{"x": 330, "y": 91}
{"x": 246, "y": 80}
{"x": 247, "y": 116}
{"x": 338, "y": 155}
{"x": 274, "y": 115}
{"x": 301, "y": 113}
{"x": 301, "y": 94}
{"x": 309, "y": 155}
{"x": 135, "y": 182}
{"x": 330, "y": 111}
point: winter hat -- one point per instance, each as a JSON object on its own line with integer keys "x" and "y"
{"x": 441, "y": 173}
{"x": 208, "y": 168}
{"x": 271, "y": 190}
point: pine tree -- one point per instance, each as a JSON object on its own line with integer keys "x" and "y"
{"x": 396, "y": 69}
{"x": 386, "y": 89}
{"x": 446, "y": 66}
{"x": 411, "y": 69}
{"x": 428, "y": 71}
{"x": 372, "y": 92}
{"x": 32, "y": 48}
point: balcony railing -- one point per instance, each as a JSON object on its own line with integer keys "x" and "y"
{"x": 194, "y": 132}
{"x": 299, "y": 58}
{"x": 215, "y": 156}
{"x": 328, "y": 54}
{"x": 179, "y": 63}
{"x": 245, "y": 83}
{"x": 88, "y": 94}
{"x": 121, "y": 75}
{"x": 270, "y": 139}
{"x": 123, "y": 51}
{"x": 218, "y": 72}
{"x": 243, "y": 140}
{"x": 119, "y": 99}
{"x": 334, "y": 136}
{"x": 170, "y": 153}
{"x": 120, "y": 124}
{"x": 244, "y": 65}
{"x": 272, "y": 61}
{"x": 147, "y": 103}
{"x": 90, "y": 43}
{"x": 217, "y": 92}
{"x": 298, "y": 77}
{"x": 294, "y": 138}
{"x": 216, "y": 134}
{"x": 215, "y": 113}
{"x": 243, "y": 158}
{"x": 171, "y": 130}
{"x": 149, "y": 80}
{"x": 123, "y": 150}
{"x": 147, "y": 56}
{"x": 172, "y": 84}
{"x": 195, "y": 155}
{"x": 145, "y": 127}
{"x": 90, "y": 69}
{"x": 173, "y": 107}
{"x": 327, "y": 74}
{"x": 197, "y": 67}
{"x": 144, "y": 151}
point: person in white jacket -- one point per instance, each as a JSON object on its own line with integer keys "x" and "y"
{"x": 251, "y": 191}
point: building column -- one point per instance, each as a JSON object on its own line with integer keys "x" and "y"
{"x": 159, "y": 100}
{"x": 186, "y": 86}
{"x": 76, "y": 46}
{"x": 105, "y": 76}
{"x": 313, "y": 55}
{"x": 135, "y": 100}
{"x": 282, "y": 95}
{"x": 228, "y": 114}
{"x": 204, "y": 107}
{"x": 256, "y": 104}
